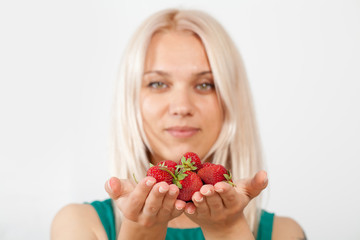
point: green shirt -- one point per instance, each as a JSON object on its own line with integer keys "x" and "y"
{"x": 106, "y": 215}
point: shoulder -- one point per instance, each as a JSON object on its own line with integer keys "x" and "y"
{"x": 287, "y": 228}
{"x": 77, "y": 221}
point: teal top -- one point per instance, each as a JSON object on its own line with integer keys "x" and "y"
{"x": 106, "y": 215}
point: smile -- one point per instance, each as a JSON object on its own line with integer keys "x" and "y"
{"x": 182, "y": 132}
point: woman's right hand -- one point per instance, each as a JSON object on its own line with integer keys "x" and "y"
{"x": 147, "y": 206}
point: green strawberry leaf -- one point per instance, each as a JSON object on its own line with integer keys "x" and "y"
{"x": 178, "y": 168}
{"x": 228, "y": 178}
{"x": 181, "y": 176}
{"x": 177, "y": 183}
{"x": 187, "y": 164}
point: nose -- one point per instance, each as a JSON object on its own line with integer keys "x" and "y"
{"x": 181, "y": 104}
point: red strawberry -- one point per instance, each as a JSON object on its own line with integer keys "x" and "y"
{"x": 213, "y": 173}
{"x": 189, "y": 183}
{"x": 190, "y": 162}
{"x": 171, "y": 165}
{"x": 161, "y": 174}
{"x": 207, "y": 164}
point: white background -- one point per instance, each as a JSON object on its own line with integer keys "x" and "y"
{"x": 58, "y": 62}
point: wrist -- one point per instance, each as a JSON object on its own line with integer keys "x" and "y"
{"x": 134, "y": 230}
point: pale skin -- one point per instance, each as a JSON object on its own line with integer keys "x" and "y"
{"x": 180, "y": 113}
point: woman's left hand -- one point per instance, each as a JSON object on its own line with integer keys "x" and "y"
{"x": 219, "y": 209}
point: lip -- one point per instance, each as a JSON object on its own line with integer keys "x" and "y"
{"x": 182, "y": 131}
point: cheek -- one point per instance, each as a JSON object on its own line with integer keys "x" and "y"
{"x": 215, "y": 115}
{"x": 150, "y": 109}
{"x": 146, "y": 108}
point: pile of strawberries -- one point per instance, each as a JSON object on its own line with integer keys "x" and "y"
{"x": 189, "y": 174}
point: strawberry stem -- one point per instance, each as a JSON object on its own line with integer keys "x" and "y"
{"x": 179, "y": 175}
{"x": 167, "y": 170}
{"x": 136, "y": 181}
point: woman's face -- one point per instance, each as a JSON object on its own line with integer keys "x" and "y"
{"x": 179, "y": 106}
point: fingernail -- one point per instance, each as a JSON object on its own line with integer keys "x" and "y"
{"x": 149, "y": 183}
{"x": 109, "y": 185}
{"x": 265, "y": 181}
{"x": 179, "y": 208}
{"x": 199, "y": 199}
{"x": 190, "y": 211}
{"x": 172, "y": 192}
{"x": 162, "y": 190}
{"x": 219, "y": 190}
{"x": 207, "y": 193}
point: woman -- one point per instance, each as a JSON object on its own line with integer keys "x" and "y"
{"x": 182, "y": 87}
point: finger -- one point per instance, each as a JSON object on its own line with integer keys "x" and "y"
{"x": 213, "y": 200}
{"x": 200, "y": 203}
{"x": 190, "y": 209}
{"x": 179, "y": 208}
{"x": 154, "y": 201}
{"x": 227, "y": 193}
{"x": 255, "y": 185}
{"x": 137, "y": 198}
{"x": 117, "y": 188}
{"x": 207, "y": 190}
{"x": 168, "y": 205}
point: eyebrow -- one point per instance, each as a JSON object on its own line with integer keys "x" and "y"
{"x": 157, "y": 72}
{"x": 203, "y": 73}
{"x": 162, "y": 73}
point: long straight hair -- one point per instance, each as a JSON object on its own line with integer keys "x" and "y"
{"x": 237, "y": 147}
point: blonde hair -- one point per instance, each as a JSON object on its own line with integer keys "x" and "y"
{"x": 237, "y": 147}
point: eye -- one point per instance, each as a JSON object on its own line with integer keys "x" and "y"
{"x": 205, "y": 86}
{"x": 157, "y": 85}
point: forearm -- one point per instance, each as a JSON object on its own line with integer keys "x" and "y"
{"x": 239, "y": 230}
{"x": 135, "y": 231}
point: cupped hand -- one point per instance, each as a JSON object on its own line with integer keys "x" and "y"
{"x": 147, "y": 203}
{"x": 221, "y": 206}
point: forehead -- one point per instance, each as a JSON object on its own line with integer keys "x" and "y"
{"x": 176, "y": 49}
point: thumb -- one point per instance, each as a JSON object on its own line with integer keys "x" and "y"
{"x": 117, "y": 188}
{"x": 255, "y": 185}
